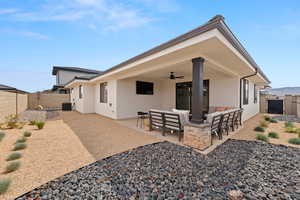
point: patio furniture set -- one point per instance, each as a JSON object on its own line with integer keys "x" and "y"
{"x": 219, "y": 121}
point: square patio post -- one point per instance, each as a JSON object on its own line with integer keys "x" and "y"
{"x": 197, "y": 90}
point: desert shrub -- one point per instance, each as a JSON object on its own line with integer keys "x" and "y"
{"x": 19, "y": 146}
{"x": 20, "y": 125}
{"x": 264, "y": 124}
{"x": 290, "y": 129}
{"x": 259, "y": 129}
{"x": 11, "y": 121}
{"x": 294, "y": 141}
{"x": 27, "y": 134}
{"x": 2, "y": 134}
{"x": 267, "y": 117}
{"x": 32, "y": 122}
{"x": 12, "y": 166}
{"x": 272, "y": 120}
{"x": 40, "y": 125}
{"x": 4, "y": 185}
{"x": 288, "y": 124}
{"x": 262, "y": 137}
{"x": 273, "y": 135}
{"x": 14, "y": 156}
{"x": 21, "y": 140}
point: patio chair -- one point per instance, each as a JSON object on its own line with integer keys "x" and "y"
{"x": 224, "y": 124}
{"x": 156, "y": 120}
{"x": 232, "y": 118}
{"x": 172, "y": 123}
{"x": 238, "y": 121}
{"x": 215, "y": 126}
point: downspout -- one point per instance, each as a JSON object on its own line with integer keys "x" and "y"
{"x": 241, "y": 81}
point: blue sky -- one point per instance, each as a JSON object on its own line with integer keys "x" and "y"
{"x": 37, "y": 34}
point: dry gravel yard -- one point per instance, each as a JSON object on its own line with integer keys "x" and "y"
{"x": 50, "y": 153}
{"x": 169, "y": 171}
{"x": 248, "y": 133}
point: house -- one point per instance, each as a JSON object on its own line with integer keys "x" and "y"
{"x": 66, "y": 74}
{"x": 208, "y": 62}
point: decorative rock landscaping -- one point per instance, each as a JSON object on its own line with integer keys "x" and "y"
{"x": 254, "y": 170}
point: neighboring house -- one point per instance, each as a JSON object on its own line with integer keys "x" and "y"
{"x": 208, "y": 62}
{"x": 66, "y": 74}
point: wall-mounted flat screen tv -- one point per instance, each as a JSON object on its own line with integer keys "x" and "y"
{"x": 145, "y": 88}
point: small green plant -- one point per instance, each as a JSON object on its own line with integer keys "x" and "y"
{"x": 32, "y": 122}
{"x": 19, "y": 146}
{"x": 40, "y": 125}
{"x": 14, "y": 156}
{"x": 2, "y": 134}
{"x": 290, "y": 129}
{"x": 262, "y": 137}
{"x": 288, "y": 124}
{"x": 4, "y": 185}
{"x": 294, "y": 141}
{"x": 259, "y": 129}
{"x": 11, "y": 121}
{"x": 21, "y": 140}
{"x": 273, "y": 135}
{"x": 267, "y": 117}
{"x": 12, "y": 166}
{"x": 272, "y": 120}
{"x": 27, "y": 134}
{"x": 264, "y": 124}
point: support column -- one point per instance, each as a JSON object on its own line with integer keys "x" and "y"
{"x": 197, "y": 90}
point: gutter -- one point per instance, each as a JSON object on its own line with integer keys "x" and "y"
{"x": 241, "y": 81}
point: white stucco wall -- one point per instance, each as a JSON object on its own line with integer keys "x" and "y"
{"x": 86, "y": 103}
{"x": 129, "y": 103}
{"x": 123, "y": 102}
{"x": 252, "y": 108}
{"x": 108, "y": 109}
{"x": 63, "y": 77}
{"x": 75, "y": 100}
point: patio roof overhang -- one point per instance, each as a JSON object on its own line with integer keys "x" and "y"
{"x": 213, "y": 41}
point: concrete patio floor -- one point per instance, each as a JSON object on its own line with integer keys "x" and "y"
{"x": 102, "y": 136}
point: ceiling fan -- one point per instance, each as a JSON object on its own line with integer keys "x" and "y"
{"x": 172, "y": 76}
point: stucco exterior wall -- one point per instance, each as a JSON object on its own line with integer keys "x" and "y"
{"x": 252, "y": 108}
{"x": 108, "y": 109}
{"x": 129, "y": 103}
{"x": 76, "y": 101}
{"x": 8, "y": 104}
{"x": 63, "y": 77}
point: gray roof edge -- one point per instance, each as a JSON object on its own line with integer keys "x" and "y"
{"x": 75, "y": 69}
{"x": 216, "y": 22}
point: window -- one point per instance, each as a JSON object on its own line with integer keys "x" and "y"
{"x": 80, "y": 91}
{"x": 145, "y": 88}
{"x": 255, "y": 93}
{"x": 103, "y": 92}
{"x": 245, "y": 91}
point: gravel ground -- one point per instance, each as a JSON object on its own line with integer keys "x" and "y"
{"x": 51, "y": 152}
{"x": 289, "y": 118}
{"x": 169, "y": 171}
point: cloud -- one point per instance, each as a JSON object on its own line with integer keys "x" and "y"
{"x": 29, "y": 34}
{"x": 102, "y": 14}
{"x": 8, "y": 11}
{"x": 162, "y": 5}
{"x": 33, "y": 35}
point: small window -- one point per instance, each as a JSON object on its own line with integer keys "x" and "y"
{"x": 145, "y": 88}
{"x": 245, "y": 92}
{"x": 80, "y": 91}
{"x": 255, "y": 93}
{"x": 103, "y": 92}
